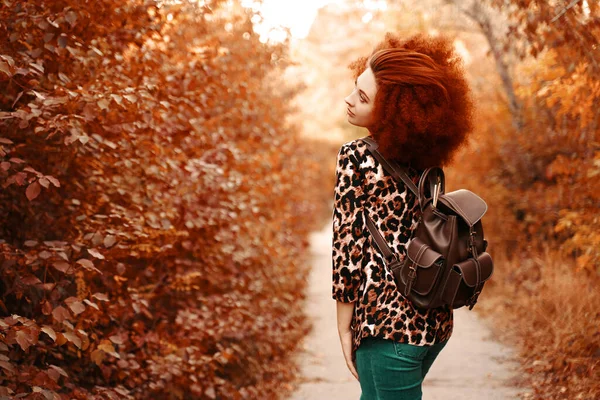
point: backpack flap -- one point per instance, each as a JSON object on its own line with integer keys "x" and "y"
{"x": 427, "y": 264}
{"x": 468, "y": 269}
{"x": 466, "y": 204}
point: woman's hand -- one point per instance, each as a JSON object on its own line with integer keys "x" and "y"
{"x": 344, "y": 320}
{"x": 346, "y": 340}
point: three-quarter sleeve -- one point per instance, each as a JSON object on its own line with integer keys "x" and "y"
{"x": 348, "y": 228}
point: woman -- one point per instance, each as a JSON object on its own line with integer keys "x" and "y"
{"x": 413, "y": 98}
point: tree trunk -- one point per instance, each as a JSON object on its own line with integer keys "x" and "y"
{"x": 482, "y": 18}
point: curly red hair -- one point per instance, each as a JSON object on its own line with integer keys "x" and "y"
{"x": 423, "y": 107}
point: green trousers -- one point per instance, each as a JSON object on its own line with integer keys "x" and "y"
{"x": 389, "y": 370}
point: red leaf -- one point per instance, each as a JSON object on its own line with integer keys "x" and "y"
{"x": 54, "y": 181}
{"x": 33, "y": 171}
{"x": 60, "y": 314}
{"x": 44, "y": 255}
{"x": 100, "y": 296}
{"x": 71, "y": 17}
{"x": 33, "y": 190}
{"x": 91, "y": 303}
{"x": 77, "y": 307}
{"x": 46, "y": 307}
{"x": 20, "y": 178}
{"x": 97, "y": 356}
{"x": 31, "y": 280}
{"x": 96, "y": 253}
{"x": 61, "y": 266}
{"x": 59, "y": 369}
{"x": 47, "y": 286}
{"x": 5, "y": 68}
{"x": 49, "y": 331}
{"x": 109, "y": 240}
{"x": 53, "y": 374}
{"x": 7, "y": 366}
{"x": 108, "y": 348}
{"x": 44, "y": 182}
{"x": 119, "y": 338}
{"x": 25, "y": 339}
{"x": 73, "y": 338}
{"x": 87, "y": 264}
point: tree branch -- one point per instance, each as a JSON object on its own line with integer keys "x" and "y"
{"x": 560, "y": 14}
{"x": 481, "y": 18}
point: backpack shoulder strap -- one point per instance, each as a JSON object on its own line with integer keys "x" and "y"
{"x": 395, "y": 169}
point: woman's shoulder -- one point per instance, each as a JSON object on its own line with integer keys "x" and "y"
{"x": 353, "y": 145}
{"x": 356, "y": 148}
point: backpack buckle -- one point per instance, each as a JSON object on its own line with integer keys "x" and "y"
{"x": 412, "y": 271}
{"x": 472, "y": 237}
{"x": 471, "y": 245}
{"x": 412, "y": 275}
{"x": 471, "y": 301}
{"x": 436, "y": 192}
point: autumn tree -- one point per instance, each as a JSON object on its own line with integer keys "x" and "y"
{"x": 540, "y": 177}
{"x": 153, "y": 202}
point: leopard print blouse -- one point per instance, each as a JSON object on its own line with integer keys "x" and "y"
{"x": 360, "y": 274}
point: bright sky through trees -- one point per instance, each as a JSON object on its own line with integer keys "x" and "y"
{"x": 297, "y": 15}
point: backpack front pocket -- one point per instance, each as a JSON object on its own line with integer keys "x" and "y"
{"x": 421, "y": 267}
{"x": 464, "y": 278}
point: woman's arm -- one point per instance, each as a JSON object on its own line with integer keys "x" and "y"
{"x": 347, "y": 247}
{"x": 344, "y": 318}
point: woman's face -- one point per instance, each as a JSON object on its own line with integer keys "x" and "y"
{"x": 361, "y": 101}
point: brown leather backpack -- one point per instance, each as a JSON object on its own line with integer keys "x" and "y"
{"x": 446, "y": 260}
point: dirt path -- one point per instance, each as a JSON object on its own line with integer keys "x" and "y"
{"x": 472, "y": 366}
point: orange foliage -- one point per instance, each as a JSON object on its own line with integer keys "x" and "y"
{"x": 539, "y": 305}
{"x": 543, "y": 187}
{"x": 153, "y": 203}
{"x": 543, "y": 178}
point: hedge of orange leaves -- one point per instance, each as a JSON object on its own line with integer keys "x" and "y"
{"x": 541, "y": 182}
{"x": 153, "y": 203}
{"x": 557, "y": 152}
